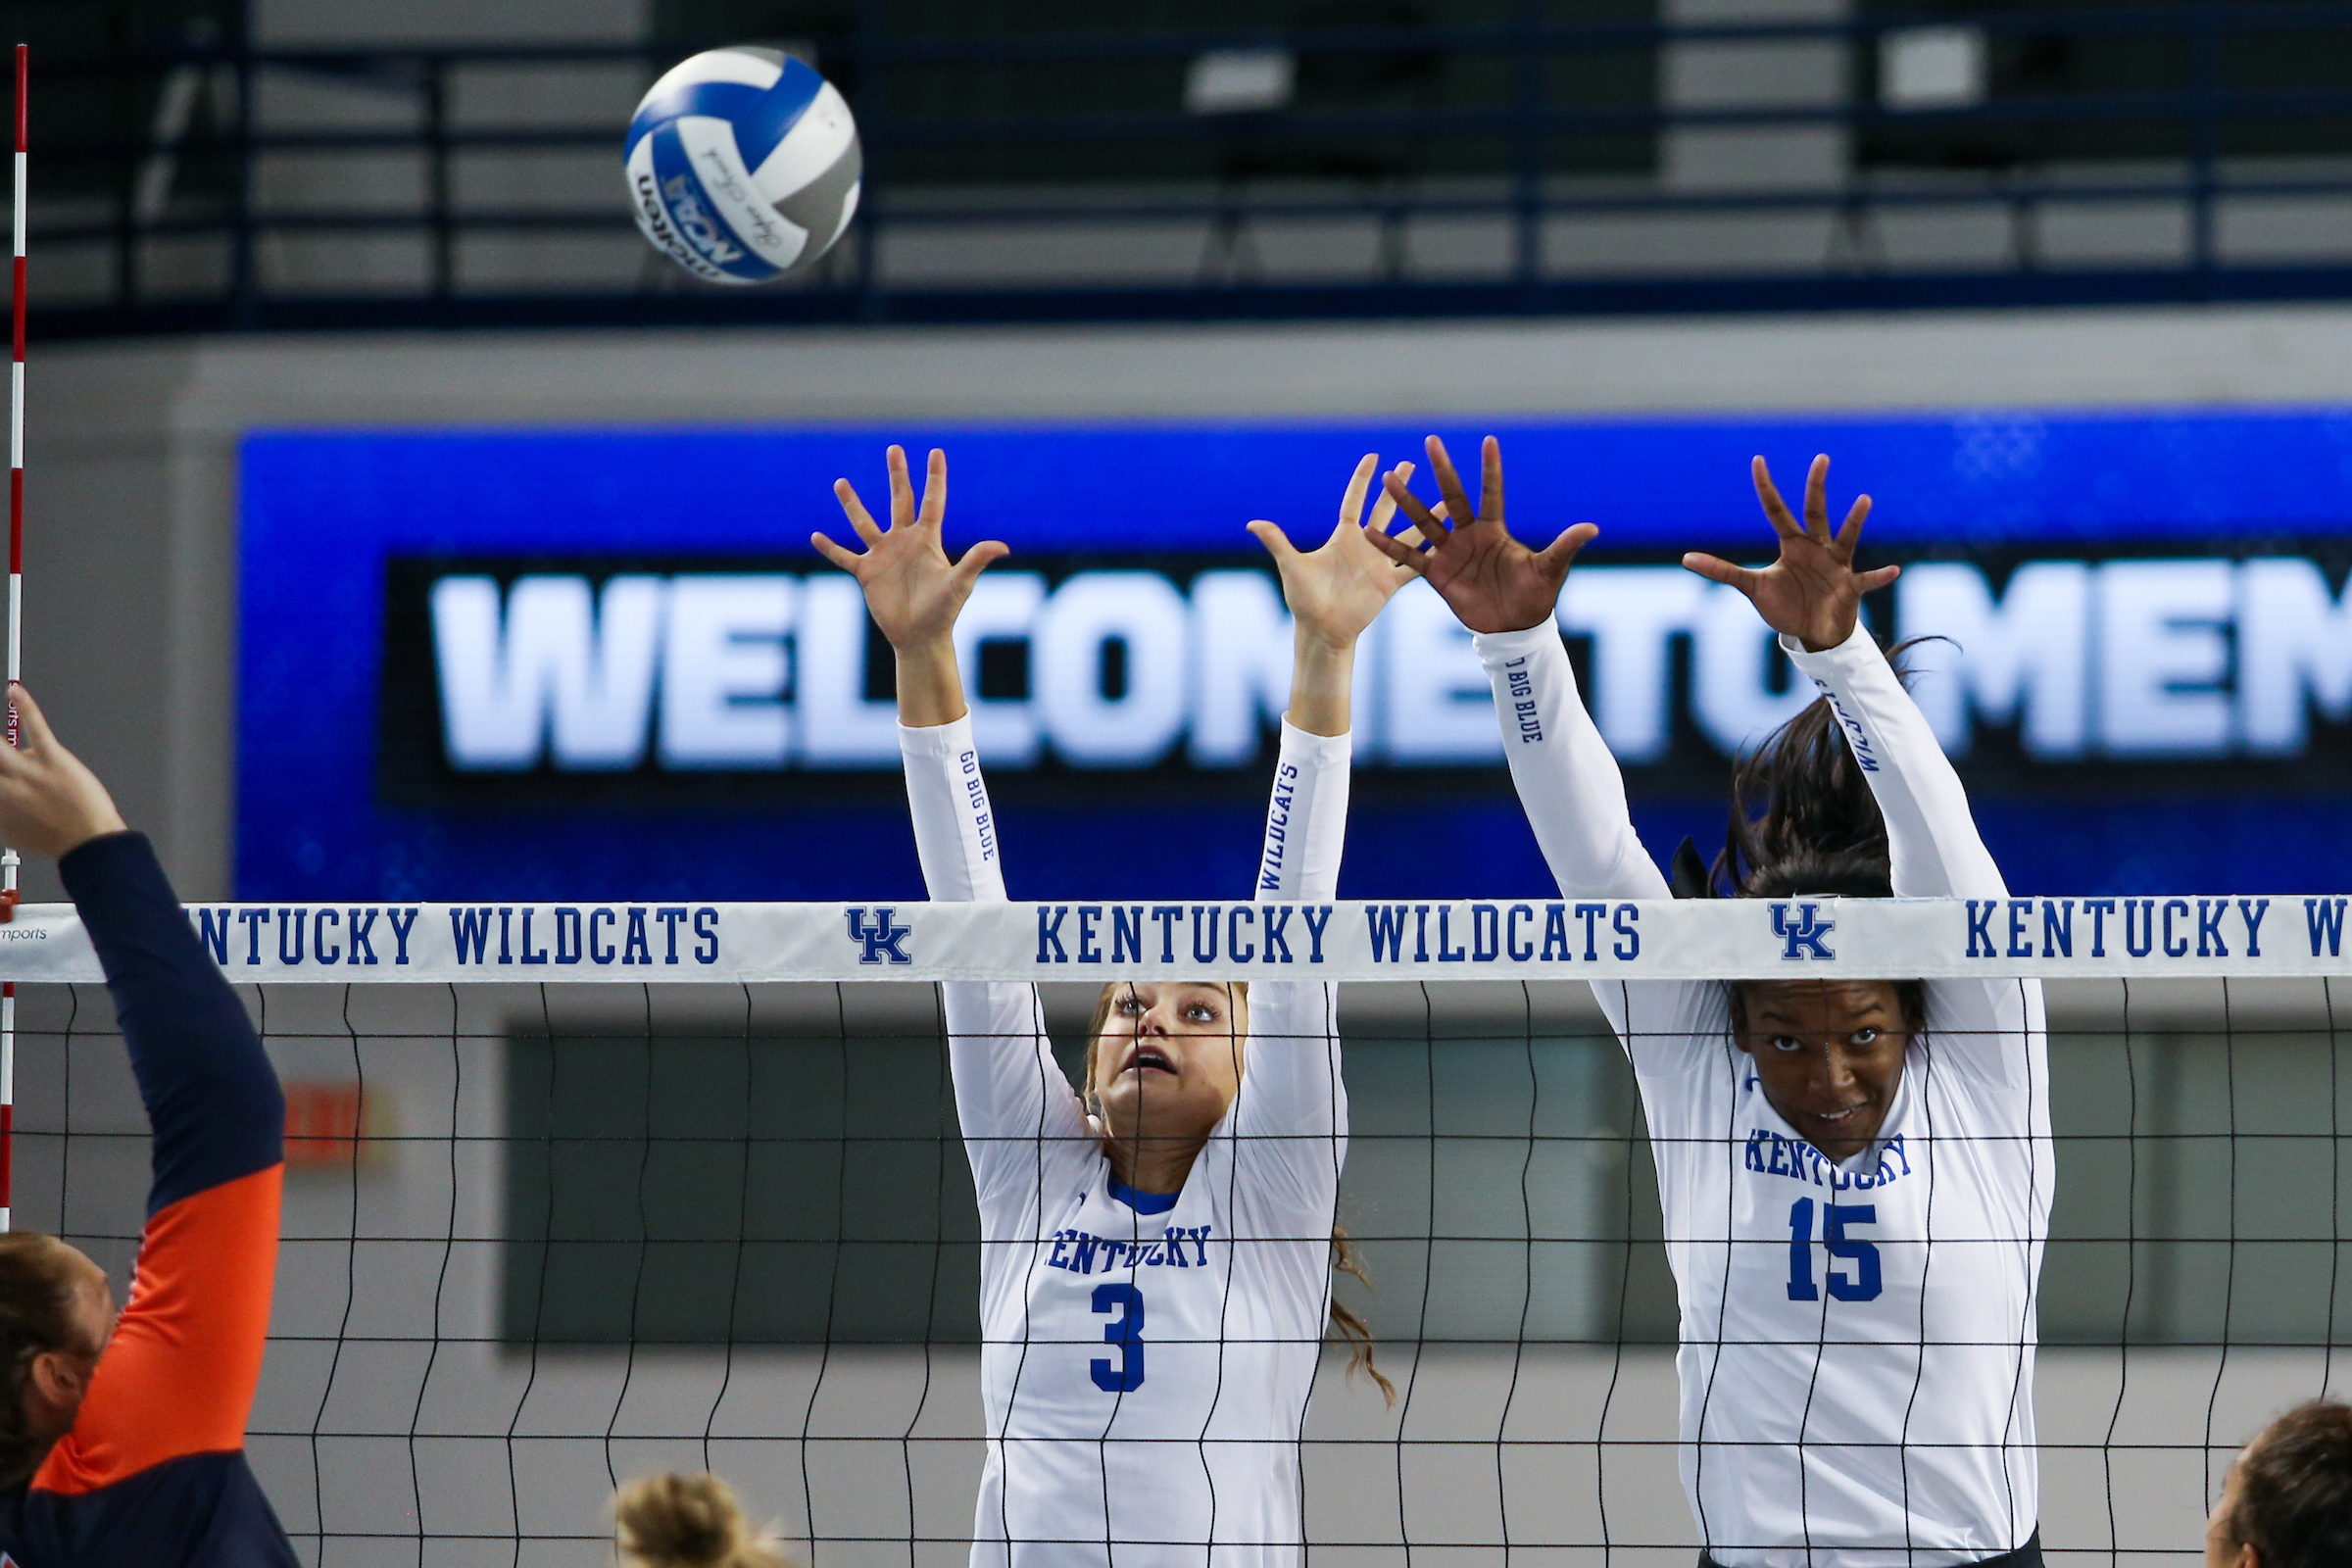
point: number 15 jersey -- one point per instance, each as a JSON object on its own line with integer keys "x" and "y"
{"x": 1857, "y": 1336}
{"x": 1146, "y": 1357}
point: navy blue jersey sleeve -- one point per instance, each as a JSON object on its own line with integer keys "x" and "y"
{"x": 211, "y": 1096}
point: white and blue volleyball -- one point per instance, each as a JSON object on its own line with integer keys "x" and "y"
{"x": 743, "y": 165}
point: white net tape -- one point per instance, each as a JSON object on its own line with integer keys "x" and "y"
{"x": 2041, "y": 938}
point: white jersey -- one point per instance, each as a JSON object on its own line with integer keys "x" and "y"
{"x": 1857, "y": 1338}
{"x": 1145, "y": 1358}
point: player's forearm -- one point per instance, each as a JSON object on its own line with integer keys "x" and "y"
{"x": 930, "y": 685}
{"x": 211, "y": 1094}
{"x": 1568, "y": 781}
{"x": 1306, "y": 816}
{"x": 954, "y": 825}
{"x": 1932, "y": 834}
{"x": 1322, "y": 673}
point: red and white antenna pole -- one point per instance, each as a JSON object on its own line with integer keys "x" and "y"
{"x": 16, "y": 644}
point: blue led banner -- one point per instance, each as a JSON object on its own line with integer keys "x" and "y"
{"x": 605, "y": 663}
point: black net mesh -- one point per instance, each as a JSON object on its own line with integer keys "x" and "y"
{"x": 539, "y": 1239}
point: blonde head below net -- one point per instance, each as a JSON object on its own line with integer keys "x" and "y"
{"x": 679, "y": 1521}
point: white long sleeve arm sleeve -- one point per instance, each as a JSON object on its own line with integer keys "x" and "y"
{"x": 1930, "y": 833}
{"x": 1009, "y": 1092}
{"x": 1992, "y": 1027}
{"x": 1567, "y": 780}
{"x": 1574, "y": 796}
{"x": 1292, "y": 1113}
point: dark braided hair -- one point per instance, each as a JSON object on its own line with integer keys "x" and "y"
{"x": 1816, "y": 828}
{"x": 37, "y": 1316}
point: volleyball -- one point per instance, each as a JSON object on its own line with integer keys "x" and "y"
{"x": 743, "y": 164}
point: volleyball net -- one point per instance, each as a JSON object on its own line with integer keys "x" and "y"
{"x": 581, "y": 1191}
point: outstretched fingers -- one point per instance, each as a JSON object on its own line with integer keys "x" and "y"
{"x": 1817, "y": 499}
{"x": 1400, "y": 551}
{"x": 852, "y": 506}
{"x": 32, "y": 726}
{"x": 978, "y": 559}
{"x": 1408, "y": 546}
{"x": 1489, "y": 480}
{"x": 845, "y": 560}
{"x": 1872, "y": 581}
{"x": 901, "y": 488}
{"x": 1359, "y": 483}
{"x": 1419, "y": 515}
{"x": 1776, "y": 510}
{"x": 32, "y": 733}
{"x": 1384, "y": 505}
{"x": 1449, "y": 484}
{"x": 1277, "y": 543}
{"x": 1722, "y": 570}
{"x": 1850, "y": 533}
{"x": 935, "y": 490}
{"x": 1556, "y": 557}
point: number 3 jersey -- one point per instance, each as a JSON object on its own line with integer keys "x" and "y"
{"x": 1146, "y": 1357}
{"x": 1857, "y": 1336}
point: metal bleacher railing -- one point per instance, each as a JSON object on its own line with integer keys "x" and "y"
{"x": 244, "y": 195}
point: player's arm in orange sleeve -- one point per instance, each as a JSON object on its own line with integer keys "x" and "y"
{"x": 179, "y": 1373}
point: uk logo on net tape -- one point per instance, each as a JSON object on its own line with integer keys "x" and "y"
{"x": 1530, "y": 938}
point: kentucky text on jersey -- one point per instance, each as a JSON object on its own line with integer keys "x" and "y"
{"x": 1079, "y": 1251}
{"x": 1772, "y": 1154}
{"x": 2004, "y": 928}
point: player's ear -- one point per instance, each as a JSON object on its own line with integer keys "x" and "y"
{"x": 60, "y": 1378}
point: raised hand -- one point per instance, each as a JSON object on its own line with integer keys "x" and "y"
{"x": 1492, "y": 581}
{"x": 50, "y": 802}
{"x": 913, "y": 590}
{"x": 1812, "y": 593}
{"x": 1336, "y": 589}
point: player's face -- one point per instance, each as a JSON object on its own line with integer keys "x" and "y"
{"x": 1828, "y": 1054}
{"x": 1169, "y": 1059}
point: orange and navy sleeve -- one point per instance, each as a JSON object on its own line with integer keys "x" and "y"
{"x": 178, "y": 1377}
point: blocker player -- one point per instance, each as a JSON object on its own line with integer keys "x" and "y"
{"x": 1856, "y": 1175}
{"x": 122, "y": 1437}
{"x": 1157, "y": 1258}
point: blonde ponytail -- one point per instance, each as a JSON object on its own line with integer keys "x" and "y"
{"x": 1347, "y": 1327}
{"x": 677, "y": 1521}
